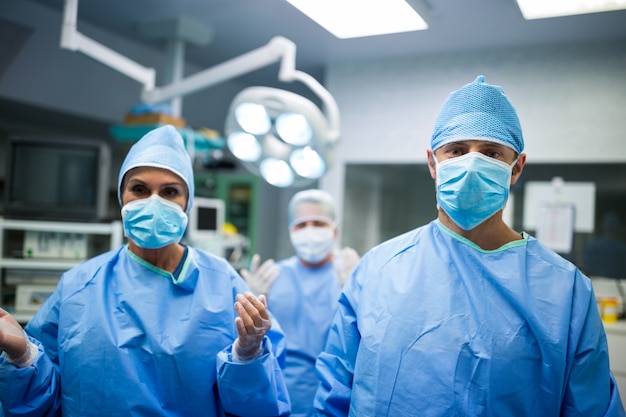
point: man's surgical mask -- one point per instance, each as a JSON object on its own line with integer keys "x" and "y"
{"x": 472, "y": 188}
{"x": 153, "y": 222}
{"x": 313, "y": 244}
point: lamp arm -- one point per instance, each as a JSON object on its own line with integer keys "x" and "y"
{"x": 248, "y": 62}
{"x": 331, "y": 109}
{"x": 288, "y": 73}
{"x": 75, "y": 41}
{"x": 278, "y": 48}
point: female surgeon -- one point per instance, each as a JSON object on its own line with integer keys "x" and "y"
{"x": 153, "y": 328}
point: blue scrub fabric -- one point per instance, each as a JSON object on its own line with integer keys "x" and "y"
{"x": 304, "y": 301}
{"x": 120, "y": 338}
{"x": 431, "y": 325}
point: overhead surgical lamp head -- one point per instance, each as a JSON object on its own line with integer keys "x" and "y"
{"x": 278, "y": 135}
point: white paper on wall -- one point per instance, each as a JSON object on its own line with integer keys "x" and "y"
{"x": 581, "y": 194}
{"x": 555, "y": 226}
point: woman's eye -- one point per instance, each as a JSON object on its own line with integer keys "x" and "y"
{"x": 171, "y": 192}
{"x": 138, "y": 189}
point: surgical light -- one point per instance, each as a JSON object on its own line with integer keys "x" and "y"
{"x": 295, "y": 147}
{"x": 244, "y": 146}
{"x": 276, "y": 172}
{"x": 307, "y": 163}
{"x": 294, "y": 129}
{"x": 276, "y": 134}
{"x": 253, "y": 118}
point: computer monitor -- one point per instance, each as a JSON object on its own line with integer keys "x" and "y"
{"x": 206, "y": 220}
{"x": 51, "y": 177}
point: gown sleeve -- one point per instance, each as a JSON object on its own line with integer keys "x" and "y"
{"x": 590, "y": 385}
{"x": 35, "y": 390}
{"x": 335, "y": 365}
{"x": 255, "y": 388}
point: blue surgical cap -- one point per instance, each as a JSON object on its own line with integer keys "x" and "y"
{"x": 478, "y": 111}
{"x": 164, "y": 148}
{"x": 324, "y": 199}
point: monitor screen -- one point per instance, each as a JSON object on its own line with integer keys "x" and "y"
{"x": 206, "y": 219}
{"x": 56, "y": 178}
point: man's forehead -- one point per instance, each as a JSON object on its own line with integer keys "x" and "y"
{"x": 477, "y": 143}
{"x": 316, "y": 219}
{"x": 308, "y": 208}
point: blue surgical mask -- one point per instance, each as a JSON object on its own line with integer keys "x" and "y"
{"x": 472, "y": 188}
{"x": 153, "y": 222}
{"x": 313, "y": 244}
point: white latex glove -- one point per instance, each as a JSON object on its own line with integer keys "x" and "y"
{"x": 345, "y": 261}
{"x": 260, "y": 278}
{"x": 252, "y": 325}
{"x": 14, "y": 342}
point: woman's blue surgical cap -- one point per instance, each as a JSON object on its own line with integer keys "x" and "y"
{"x": 478, "y": 111}
{"x": 164, "y": 148}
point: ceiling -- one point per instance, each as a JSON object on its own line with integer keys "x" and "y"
{"x": 239, "y": 26}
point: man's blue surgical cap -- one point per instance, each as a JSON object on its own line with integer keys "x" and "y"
{"x": 478, "y": 111}
{"x": 324, "y": 199}
{"x": 164, "y": 148}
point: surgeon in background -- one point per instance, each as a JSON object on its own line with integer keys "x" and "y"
{"x": 302, "y": 290}
{"x": 465, "y": 316}
{"x": 153, "y": 328}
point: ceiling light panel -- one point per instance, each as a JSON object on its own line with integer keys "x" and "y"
{"x": 540, "y": 9}
{"x": 358, "y": 18}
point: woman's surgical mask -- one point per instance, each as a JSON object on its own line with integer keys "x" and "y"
{"x": 313, "y": 244}
{"x": 472, "y": 188}
{"x": 153, "y": 222}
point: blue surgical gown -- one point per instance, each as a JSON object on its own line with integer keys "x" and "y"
{"x": 304, "y": 301}
{"x": 119, "y": 337}
{"x": 431, "y": 325}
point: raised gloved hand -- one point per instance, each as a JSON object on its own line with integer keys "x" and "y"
{"x": 260, "y": 278}
{"x": 252, "y": 325}
{"x": 345, "y": 261}
{"x": 14, "y": 342}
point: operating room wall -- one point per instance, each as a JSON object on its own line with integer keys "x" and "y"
{"x": 571, "y": 100}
